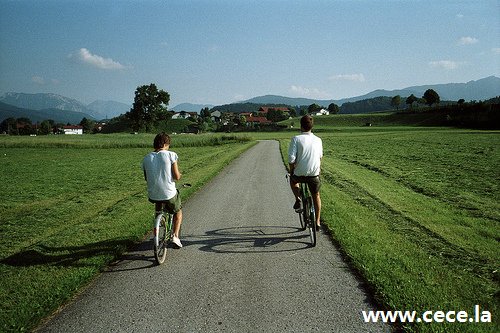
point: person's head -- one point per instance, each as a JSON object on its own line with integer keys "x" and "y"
{"x": 306, "y": 123}
{"x": 161, "y": 140}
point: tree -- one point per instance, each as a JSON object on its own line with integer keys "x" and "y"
{"x": 9, "y": 126}
{"x": 395, "y": 101}
{"x": 205, "y": 113}
{"x": 410, "y": 100}
{"x": 313, "y": 108}
{"x": 275, "y": 115}
{"x": 150, "y": 106}
{"x": 46, "y": 127}
{"x": 333, "y": 108}
{"x": 87, "y": 124}
{"x": 431, "y": 97}
{"x": 24, "y": 126}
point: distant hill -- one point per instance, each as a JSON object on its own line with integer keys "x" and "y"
{"x": 43, "y": 101}
{"x": 59, "y": 116}
{"x": 277, "y": 100}
{"x": 482, "y": 89}
{"x": 107, "y": 109}
{"x": 479, "y": 90}
{"x": 188, "y": 107}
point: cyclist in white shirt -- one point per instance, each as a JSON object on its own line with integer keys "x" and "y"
{"x": 304, "y": 158}
{"x": 161, "y": 170}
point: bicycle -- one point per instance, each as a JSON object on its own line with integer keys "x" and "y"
{"x": 163, "y": 233}
{"x": 307, "y": 214}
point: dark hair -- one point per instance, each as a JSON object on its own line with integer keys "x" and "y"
{"x": 160, "y": 140}
{"x": 306, "y": 123}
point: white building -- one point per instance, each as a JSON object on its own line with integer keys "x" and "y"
{"x": 322, "y": 112}
{"x": 71, "y": 129}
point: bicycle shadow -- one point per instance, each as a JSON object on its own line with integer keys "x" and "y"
{"x": 252, "y": 239}
{"x": 74, "y": 256}
{"x": 260, "y": 239}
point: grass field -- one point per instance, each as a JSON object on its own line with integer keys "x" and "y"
{"x": 69, "y": 205}
{"x": 417, "y": 212}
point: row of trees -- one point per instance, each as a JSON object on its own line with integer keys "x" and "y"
{"x": 24, "y": 126}
{"x": 149, "y": 113}
{"x": 430, "y": 97}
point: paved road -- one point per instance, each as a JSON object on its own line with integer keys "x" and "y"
{"x": 245, "y": 267}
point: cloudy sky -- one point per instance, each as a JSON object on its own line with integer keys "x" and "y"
{"x": 222, "y": 51}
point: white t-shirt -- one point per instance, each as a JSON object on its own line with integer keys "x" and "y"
{"x": 306, "y": 151}
{"x": 158, "y": 168}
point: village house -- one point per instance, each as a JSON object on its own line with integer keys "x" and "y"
{"x": 257, "y": 121}
{"x": 322, "y": 112}
{"x": 265, "y": 109}
{"x": 246, "y": 114}
{"x": 185, "y": 115}
{"x": 215, "y": 116}
{"x": 72, "y": 129}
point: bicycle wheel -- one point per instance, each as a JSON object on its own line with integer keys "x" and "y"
{"x": 312, "y": 220}
{"x": 160, "y": 239}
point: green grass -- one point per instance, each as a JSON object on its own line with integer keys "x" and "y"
{"x": 70, "y": 205}
{"x": 417, "y": 211}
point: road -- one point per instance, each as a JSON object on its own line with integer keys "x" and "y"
{"x": 245, "y": 267}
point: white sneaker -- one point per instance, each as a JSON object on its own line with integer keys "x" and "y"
{"x": 177, "y": 241}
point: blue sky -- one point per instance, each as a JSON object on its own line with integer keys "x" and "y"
{"x": 223, "y": 51}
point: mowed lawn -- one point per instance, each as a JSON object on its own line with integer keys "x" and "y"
{"x": 70, "y": 205}
{"x": 417, "y": 212}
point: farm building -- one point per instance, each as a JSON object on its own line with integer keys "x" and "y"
{"x": 72, "y": 129}
{"x": 322, "y": 112}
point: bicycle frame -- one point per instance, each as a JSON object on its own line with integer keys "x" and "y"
{"x": 307, "y": 215}
{"x": 308, "y": 212}
{"x": 163, "y": 232}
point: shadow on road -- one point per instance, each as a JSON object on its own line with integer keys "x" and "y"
{"x": 253, "y": 239}
{"x": 258, "y": 239}
{"x": 74, "y": 256}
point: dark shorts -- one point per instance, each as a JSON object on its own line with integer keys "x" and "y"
{"x": 172, "y": 205}
{"x": 314, "y": 183}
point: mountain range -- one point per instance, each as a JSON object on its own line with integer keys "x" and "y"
{"x": 482, "y": 89}
{"x": 96, "y": 110}
{"x": 43, "y": 106}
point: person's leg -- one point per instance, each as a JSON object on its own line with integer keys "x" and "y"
{"x": 177, "y": 223}
{"x": 158, "y": 208}
{"x": 317, "y": 206}
{"x": 295, "y": 186}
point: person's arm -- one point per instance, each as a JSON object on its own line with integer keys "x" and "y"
{"x": 292, "y": 155}
{"x": 176, "y": 174}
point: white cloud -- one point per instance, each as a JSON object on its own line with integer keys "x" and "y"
{"x": 84, "y": 56}
{"x": 496, "y": 50}
{"x": 38, "y": 80}
{"x": 460, "y": 15}
{"x": 446, "y": 64}
{"x": 308, "y": 92}
{"x": 467, "y": 41}
{"x": 348, "y": 77}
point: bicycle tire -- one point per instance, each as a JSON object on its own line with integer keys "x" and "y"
{"x": 160, "y": 239}
{"x": 312, "y": 221}
{"x": 303, "y": 215}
